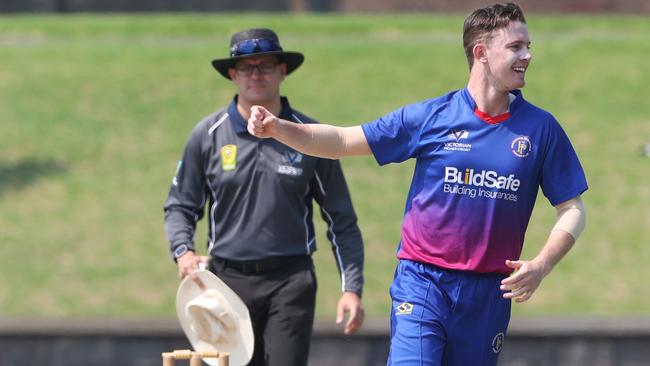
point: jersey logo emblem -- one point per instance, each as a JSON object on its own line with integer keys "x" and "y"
{"x": 292, "y": 157}
{"x": 497, "y": 342}
{"x": 228, "y": 157}
{"x": 455, "y": 144}
{"x": 289, "y": 170}
{"x": 405, "y": 308}
{"x": 458, "y": 135}
{"x": 521, "y": 146}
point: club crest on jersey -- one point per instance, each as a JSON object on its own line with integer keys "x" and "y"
{"x": 521, "y": 146}
{"x": 228, "y": 157}
{"x": 455, "y": 144}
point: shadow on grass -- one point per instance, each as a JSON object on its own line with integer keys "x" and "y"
{"x": 22, "y": 173}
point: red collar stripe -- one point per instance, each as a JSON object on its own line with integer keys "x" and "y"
{"x": 489, "y": 119}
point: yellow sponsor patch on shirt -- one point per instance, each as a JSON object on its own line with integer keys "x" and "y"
{"x": 229, "y": 157}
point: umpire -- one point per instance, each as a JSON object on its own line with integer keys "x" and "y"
{"x": 260, "y": 243}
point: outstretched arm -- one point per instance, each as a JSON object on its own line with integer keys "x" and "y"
{"x": 325, "y": 141}
{"x": 528, "y": 275}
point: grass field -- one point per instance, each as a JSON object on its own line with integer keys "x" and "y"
{"x": 95, "y": 111}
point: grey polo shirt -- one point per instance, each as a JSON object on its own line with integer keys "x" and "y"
{"x": 258, "y": 194}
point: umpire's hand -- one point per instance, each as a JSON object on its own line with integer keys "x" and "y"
{"x": 350, "y": 303}
{"x": 188, "y": 263}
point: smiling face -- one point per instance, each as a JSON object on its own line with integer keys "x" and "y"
{"x": 506, "y": 56}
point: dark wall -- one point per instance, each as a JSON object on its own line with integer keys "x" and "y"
{"x": 552, "y": 341}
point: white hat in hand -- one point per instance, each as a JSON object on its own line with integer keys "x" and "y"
{"x": 215, "y": 319}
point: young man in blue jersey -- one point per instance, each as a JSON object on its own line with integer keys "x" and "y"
{"x": 482, "y": 153}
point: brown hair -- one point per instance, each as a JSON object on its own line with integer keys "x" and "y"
{"x": 482, "y": 22}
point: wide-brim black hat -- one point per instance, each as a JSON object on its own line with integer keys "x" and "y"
{"x": 256, "y": 42}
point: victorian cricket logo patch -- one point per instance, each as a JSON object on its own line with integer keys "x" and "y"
{"x": 290, "y": 159}
{"x": 458, "y": 135}
{"x": 455, "y": 141}
{"x": 228, "y": 157}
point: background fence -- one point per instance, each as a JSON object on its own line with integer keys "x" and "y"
{"x": 140, "y": 342}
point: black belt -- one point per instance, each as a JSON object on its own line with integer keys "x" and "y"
{"x": 263, "y": 265}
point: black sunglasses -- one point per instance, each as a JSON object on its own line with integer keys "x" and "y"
{"x": 250, "y": 46}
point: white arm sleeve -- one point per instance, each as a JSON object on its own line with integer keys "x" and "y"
{"x": 571, "y": 217}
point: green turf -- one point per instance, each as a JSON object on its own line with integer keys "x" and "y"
{"x": 95, "y": 111}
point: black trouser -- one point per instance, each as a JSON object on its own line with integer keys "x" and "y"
{"x": 281, "y": 298}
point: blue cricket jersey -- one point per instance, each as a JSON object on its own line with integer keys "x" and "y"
{"x": 475, "y": 183}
